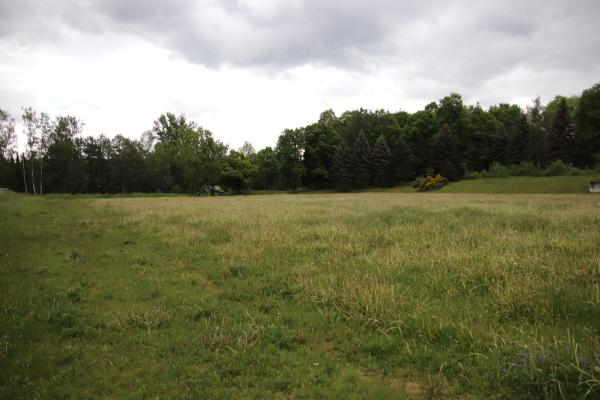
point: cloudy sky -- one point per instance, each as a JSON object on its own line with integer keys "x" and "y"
{"x": 247, "y": 69}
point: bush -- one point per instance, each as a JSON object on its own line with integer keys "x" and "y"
{"x": 525, "y": 168}
{"x": 498, "y": 170}
{"x": 176, "y": 189}
{"x": 557, "y": 168}
{"x": 472, "y": 175}
{"x": 417, "y": 183}
{"x": 432, "y": 183}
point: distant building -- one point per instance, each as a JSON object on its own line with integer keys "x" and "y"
{"x": 594, "y": 186}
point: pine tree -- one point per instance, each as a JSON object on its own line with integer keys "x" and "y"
{"x": 402, "y": 161}
{"x": 587, "y": 123}
{"x": 446, "y": 159}
{"x": 561, "y": 140}
{"x": 360, "y": 161}
{"x": 381, "y": 163}
{"x": 518, "y": 143}
{"x": 501, "y": 145}
{"x": 342, "y": 166}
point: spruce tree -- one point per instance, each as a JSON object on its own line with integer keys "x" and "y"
{"x": 561, "y": 140}
{"x": 402, "y": 169}
{"x": 446, "y": 159}
{"x": 518, "y": 144}
{"x": 360, "y": 161}
{"x": 341, "y": 167}
{"x": 381, "y": 163}
{"x": 587, "y": 132}
{"x": 501, "y": 145}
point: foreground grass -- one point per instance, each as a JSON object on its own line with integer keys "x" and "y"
{"x": 365, "y": 295}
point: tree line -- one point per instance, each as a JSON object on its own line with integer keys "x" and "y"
{"x": 357, "y": 149}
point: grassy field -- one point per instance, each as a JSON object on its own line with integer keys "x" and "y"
{"x": 524, "y": 184}
{"x": 363, "y": 295}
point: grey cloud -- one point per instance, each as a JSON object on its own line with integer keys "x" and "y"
{"x": 226, "y": 32}
{"x": 507, "y": 24}
{"x": 209, "y": 33}
{"x": 464, "y": 43}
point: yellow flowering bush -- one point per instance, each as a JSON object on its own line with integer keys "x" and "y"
{"x": 433, "y": 183}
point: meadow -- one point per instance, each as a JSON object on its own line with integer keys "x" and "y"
{"x": 316, "y": 296}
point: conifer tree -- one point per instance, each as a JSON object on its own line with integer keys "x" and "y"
{"x": 501, "y": 146}
{"x": 446, "y": 159}
{"x": 17, "y": 175}
{"x": 342, "y": 166}
{"x": 360, "y": 161}
{"x": 587, "y": 122}
{"x": 402, "y": 160}
{"x": 561, "y": 140}
{"x": 381, "y": 163}
{"x": 518, "y": 142}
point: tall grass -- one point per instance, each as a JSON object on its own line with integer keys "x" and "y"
{"x": 335, "y": 295}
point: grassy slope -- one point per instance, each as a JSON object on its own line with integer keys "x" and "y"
{"x": 369, "y": 295}
{"x": 512, "y": 185}
{"x": 523, "y": 184}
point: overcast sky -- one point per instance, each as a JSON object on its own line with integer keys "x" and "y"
{"x": 247, "y": 69}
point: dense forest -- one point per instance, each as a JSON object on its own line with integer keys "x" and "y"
{"x": 357, "y": 149}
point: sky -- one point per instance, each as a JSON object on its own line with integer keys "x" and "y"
{"x": 248, "y": 69}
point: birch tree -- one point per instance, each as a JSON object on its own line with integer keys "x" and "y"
{"x": 30, "y": 122}
{"x": 8, "y": 138}
{"x": 46, "y": 127}
{"x": 8, "y": 145}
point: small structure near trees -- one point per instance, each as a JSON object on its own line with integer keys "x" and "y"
{"x": 211, "y": 190}
{"x": 594, "y": 186}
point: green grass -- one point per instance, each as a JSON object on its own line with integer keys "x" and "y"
{"x": 361, "y": 295}
{"x": 523, "y": 184}
{"x": 512, "y": 185}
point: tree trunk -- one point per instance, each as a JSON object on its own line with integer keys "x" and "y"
{"x": 41, "y": 176}
{"x": 32, "y": 177}
{"x": 24, "y": 174}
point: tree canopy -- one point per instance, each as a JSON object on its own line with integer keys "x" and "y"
{"x": 356, "y": 149}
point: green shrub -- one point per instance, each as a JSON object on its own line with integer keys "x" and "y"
{"x": 525, "y": 168}
{"x": 176, "y": 189}
{"x": 472, "y": 175}
{"x": 498, "y": 170}
{"x": 557, "y": 168}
